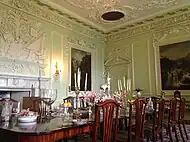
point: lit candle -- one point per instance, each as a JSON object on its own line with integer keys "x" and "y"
{"x": 79, "y": 75}
{"x": 128, "y": 72}
{"x": 120, "y": 85}
{"x": 129, "y": 84}
{"x": 75, "y": 80}
{"x": 124, "y": 82}
{"x": 86, "y": 78}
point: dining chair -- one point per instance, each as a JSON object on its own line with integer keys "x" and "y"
{"x": 155, "y": 127}
{"x": 136, "y": 121}
{"x": 106, "y": 122}
{"x": 171, "y": 124}
{"x": 181, "y": 121}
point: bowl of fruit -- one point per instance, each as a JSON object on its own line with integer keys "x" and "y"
{"x": 27, "y": 116}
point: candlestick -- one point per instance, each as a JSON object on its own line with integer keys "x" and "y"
{"x": 77, "y": 91}
{"x": 86, "y": 78}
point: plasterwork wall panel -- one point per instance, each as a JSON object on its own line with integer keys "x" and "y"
{"x": 118, "y": 63}
{"x": 19, "y": 33}
{"x": 28, "y": 41}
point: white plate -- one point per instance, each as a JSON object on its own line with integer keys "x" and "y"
{"x": 27, "y": 119}
{"x": 28, "y": 126}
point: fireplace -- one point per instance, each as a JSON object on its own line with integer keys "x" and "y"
{"x": 17, "y": 87}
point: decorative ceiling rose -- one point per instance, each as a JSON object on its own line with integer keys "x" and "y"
{"x": 112, "y": 15}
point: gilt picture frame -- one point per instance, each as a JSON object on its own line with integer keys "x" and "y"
{"x": 174, "y": 66}
{"x": 81, "y": 59}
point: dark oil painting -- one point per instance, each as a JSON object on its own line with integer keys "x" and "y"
{"x": 175, "y": 66}
{"x": 82, "y": 60}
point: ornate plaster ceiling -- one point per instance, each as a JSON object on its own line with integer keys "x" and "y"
{"x": 134, "y": 10}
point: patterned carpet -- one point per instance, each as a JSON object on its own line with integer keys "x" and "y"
{"x": 167, "y": 139}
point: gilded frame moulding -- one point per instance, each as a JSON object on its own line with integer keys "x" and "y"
{"x": 85, "y": 48}
{"x": 160, "y": 38}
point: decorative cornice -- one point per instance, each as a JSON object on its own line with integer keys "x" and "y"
{"x": 45, "y": 12}
{"x": 60, "y": 18}
{"x": 152, "y": 24}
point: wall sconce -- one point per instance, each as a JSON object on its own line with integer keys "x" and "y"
{"x": 57, "y": 72}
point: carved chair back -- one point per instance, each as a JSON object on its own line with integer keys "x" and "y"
{"x": 173, "y": 111}
{"x": 182, "y": 107}
{"x": 177, "y": 94}
{"x": 159, "y": 118}
{"x": 110, "y": 122}
{"x": 139, "y": 105}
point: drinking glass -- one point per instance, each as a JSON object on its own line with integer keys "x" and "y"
{"x": 49, "y": 96}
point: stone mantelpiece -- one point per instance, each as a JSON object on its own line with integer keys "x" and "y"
{"x": 17, "y": 83}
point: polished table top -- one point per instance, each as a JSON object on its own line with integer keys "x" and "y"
{"x": 46, "y": 127}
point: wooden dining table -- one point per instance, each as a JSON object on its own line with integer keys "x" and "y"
{"x": 43, "y": 131}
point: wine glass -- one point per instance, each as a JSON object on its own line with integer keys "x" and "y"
{"x": 49, "y": 96}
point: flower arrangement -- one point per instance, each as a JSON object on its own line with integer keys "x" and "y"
{"x": 93, "y": 97}
{"x": 67, "y": 104}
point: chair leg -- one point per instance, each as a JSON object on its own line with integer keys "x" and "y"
{"x": 180, "y": 130}
{"x": 174, "y": 128}
{"x": 170, "y": 133}
{"x": 161, "y": 137}
{"x": 185, "y": 131}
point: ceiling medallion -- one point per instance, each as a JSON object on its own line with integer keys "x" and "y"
{"x": 112, "y": 16}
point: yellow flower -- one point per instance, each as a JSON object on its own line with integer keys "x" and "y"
{"x": 67, "y": 104}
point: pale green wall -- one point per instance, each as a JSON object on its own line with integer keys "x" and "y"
{"x": 58, "y": 39}
{"x": 143, "y": 52}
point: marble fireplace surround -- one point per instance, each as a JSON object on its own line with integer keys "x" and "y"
{"x": 18, "y": 83}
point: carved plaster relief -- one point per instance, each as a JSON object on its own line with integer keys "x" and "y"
{"x": 80, "y": 42}
{"x": 56, "y": 17}
{"x": 158, "y": 39}
{"x": 155, "y": 25}
{"x": 117, "y": 57}
{"x": 21, "y": 39}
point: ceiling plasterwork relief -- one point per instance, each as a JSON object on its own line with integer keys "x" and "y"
{"x": 18, "y": 32}
{"x": 118, "y": 57}
{"x": 150, "y": 27}
{"x": 132, "y": 9}
{"x": 35, "y": 8}
{"x": 158, "y": 38}
{"x": 79, "y": 42}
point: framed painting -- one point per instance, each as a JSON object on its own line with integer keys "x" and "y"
{"x": 81, "y": 60}
{"x": 175, "y": 66}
